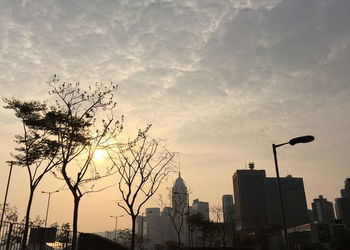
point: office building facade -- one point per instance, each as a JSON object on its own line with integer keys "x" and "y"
{"x": 201, "y": 207}
{"x": 257, "y": 203}
{"x": 322, "y": 210}
{"x": 294, "y": 201}
{"x": 250, "y": 199}
{"x": 342, "y": 205}
{"x": 228, "y": 209}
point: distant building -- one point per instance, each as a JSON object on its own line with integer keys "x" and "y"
{"x": 152, "y": 225}
{"x": 294, "y": 201}
{"x": 322, "y": 210}
{"x": 250, "y": 198}
{"x": 179, "y": 193}
{"x": 345, "y": 193}
{"x": 201, "y": 207}
{"x": 228, "y": 208}
{"x": 311, "y": 216}
{"x": 138, "y": 225}
{"x": 257, "y": 203}
{"x": 342, "y": 205}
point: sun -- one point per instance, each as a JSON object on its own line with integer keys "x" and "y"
{"x": 99, "y": 154}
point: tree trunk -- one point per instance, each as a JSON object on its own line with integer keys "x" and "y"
{"x": 75, "y": 222}
{"x": 178, "y": 238}
{"x": 133, "y": 221}
{"x": 26, "y": 225}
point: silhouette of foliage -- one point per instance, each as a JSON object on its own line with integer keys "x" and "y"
{"x": 74, "y": 122}
{"x": 37, "y": 152}
{"x": 177, "y": 211}
{"x": 143, "y": 165}
{"x": 10, "y": 213}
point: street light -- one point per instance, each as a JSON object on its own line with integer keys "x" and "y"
{"x": 48, "y": 203}
{"x": 116, "y": 225}
{"x": 6, "y": 192}
{"x": 188, "y": 215}
{"x": 292, "y": 142}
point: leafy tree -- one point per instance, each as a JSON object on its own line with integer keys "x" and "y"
{"x": 143, "y": 165}
{"x": 36, "y": 150}
{"x": 10, "y": 213}
{"x": 199, "y": 223}
{"x": 74, "y": 123}
{"x": 124, "y": 237}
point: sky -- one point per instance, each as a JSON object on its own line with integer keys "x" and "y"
{"x": 219, "y": 80}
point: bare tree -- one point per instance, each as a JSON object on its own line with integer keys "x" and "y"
{"x": 177, "y": 210}
{"x": 74, "y": 123}
{"x": 37, "y": 152}
{"x": 223, "y": 229}
{"x": 143, "y": 165}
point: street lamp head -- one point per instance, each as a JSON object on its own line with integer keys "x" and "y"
{"x": 302, "y": 139}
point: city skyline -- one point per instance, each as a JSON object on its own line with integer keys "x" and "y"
{"x": 220, "y": 81}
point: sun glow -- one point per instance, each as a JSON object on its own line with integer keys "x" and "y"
{"x": 99, "y": 154}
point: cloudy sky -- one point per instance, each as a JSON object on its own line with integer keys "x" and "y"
{"x": 219, "y": 80}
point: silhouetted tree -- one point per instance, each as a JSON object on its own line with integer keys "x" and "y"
{"x": 36, "y": 150}
{"x": 177, "y": 211}
{"x": 199, "y": 223}
{"x": 10, "y": 213}
{"x": 124, "y": 237}
{"x": 74, "y": 123}
{"x": 223, "y": 228}
{"x": 143, "y": 165}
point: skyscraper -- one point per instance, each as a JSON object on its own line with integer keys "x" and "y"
{"x": 322, "y": 210}
{"x": 228, "y": 208}
{"x": 250, "y": 199}
{"x": 342, "y": 205}
{"x": 257, "y": 203}
{"x": 201, "y": 207}
{"x": 294, "y": 201}
{"x": 179, "y": 193}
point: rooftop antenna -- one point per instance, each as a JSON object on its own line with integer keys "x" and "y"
{"x": 179, "y": 170}
{"x": 251, "y": 165}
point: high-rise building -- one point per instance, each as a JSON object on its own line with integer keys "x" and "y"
{"x": 294, "y": 201}
{"x": 250, "y": 198}
{"x": 201, "y": 207}
{"x": 228, "y": 208}
{"x": 257, "y": 203}
{"x": 345, "y": 193}
{"x": 139, "y": 225}
{"x": 179, "y": 193}
{"x": 342, "y": 205}
{"x": 180, "y": 204}
{"x": 322, "y": 210}
{"x": 152, "y": 224}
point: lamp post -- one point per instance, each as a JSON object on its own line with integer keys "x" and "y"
{"x": 6, "y": 192}
{"x": 188, "y": 215}
{"x": 116, "y": 225}
{"x": 48, "y": 203}
{"x": 292, "y": 142}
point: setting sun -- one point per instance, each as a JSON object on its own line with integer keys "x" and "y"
{"x": 99, "y": 154}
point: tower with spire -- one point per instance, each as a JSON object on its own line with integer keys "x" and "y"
{"x": 179, "y": 193}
